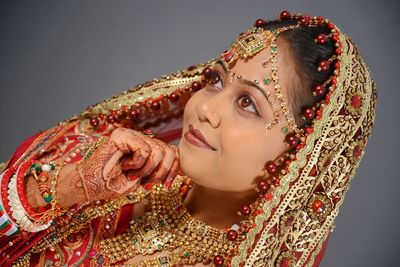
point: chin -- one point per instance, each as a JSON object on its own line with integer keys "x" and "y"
{"x": 192, "y": 164}
{"x": 185, "y": 163}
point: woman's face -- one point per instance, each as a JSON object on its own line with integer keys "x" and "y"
{"x": 232, "y": 115}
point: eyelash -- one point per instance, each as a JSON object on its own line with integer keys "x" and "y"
{"x": 248, "y": 96}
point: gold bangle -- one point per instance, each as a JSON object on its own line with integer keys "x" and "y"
{"x": 55, "y": 209}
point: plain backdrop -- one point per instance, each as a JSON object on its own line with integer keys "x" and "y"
{"x": 58, "y": 57}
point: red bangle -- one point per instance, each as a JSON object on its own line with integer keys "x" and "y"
{"x": 4, "y": 190}
{"x": 21, "y": 189}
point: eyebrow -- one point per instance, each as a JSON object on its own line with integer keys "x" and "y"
{"x": 222, "y": 64}
{"x": 244, "y": 81}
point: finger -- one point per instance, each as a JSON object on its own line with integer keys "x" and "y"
{"x": 176, "y": 149}
{"x": 137, "y": 159}
{"x": 165, "y": 165}
{"x": 112, "y": 162}
{"x": 141, "y": 151}
{"x": 119, "y": 137}
{"x": 156, "y": 155}
{"x": 131, "y": 176}
{"x": 120, "y": 184}
{"x": 128, "y": 140}
{"x": 173, "y": 171}
{"x": 175, "y": 166}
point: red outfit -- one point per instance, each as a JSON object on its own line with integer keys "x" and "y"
{"x": 81, "y": 247}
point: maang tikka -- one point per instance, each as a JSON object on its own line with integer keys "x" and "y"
{"x": 251, "y": 43}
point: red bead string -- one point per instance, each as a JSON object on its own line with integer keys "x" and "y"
{"x": 131, "y": 114}
{"x": 275, "y": 169}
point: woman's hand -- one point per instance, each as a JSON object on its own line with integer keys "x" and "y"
{"x": 126, "y": 160}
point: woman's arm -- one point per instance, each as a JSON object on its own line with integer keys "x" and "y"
{"x": 68, "y": 190}
{"x": 107, "y": 169}
{"x": 114, "y": 169}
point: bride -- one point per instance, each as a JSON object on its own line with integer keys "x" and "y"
{"x": 269, "y": 135}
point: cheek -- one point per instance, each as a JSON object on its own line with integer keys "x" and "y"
{"x": 254, "y": 141}
{"x": 248, "y": 151}
{"x": 244, "y": 161}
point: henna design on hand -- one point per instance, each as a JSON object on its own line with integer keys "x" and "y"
{"x": 69, "y": 183}
{"x": 154, "y": 159}
{"x": 117, "y": 181}
{"x": 119, "y": 165}
{"x": 166, "y": 164}
{"x": 91, "y": 172}
{"x": 76, "y": 185}
{"x": 159, "y": 161}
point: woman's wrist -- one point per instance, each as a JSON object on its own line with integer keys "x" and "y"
{"x": 69, "y": 189}
{"x": 32, "y": 193}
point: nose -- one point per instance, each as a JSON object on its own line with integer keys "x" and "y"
{"x": 207, "y": 111}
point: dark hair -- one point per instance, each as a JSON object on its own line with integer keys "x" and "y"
{"x": 306, "y": 54}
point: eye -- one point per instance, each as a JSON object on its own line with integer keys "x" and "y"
{"x": 245, "y": 101}
{"x": 215, "y": 79}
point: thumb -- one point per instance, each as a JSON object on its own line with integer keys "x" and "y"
{"x": 112, "y": 162}
{"x": 118, "y": 183}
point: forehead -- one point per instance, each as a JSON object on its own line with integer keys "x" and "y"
{"x": 253, "y": 66}
{"x": 259, "y": 67}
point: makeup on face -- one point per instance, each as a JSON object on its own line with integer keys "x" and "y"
{"x": 247, "y": 46}
{"x": 196, "y": 138}
{"x": 256, "y": 84}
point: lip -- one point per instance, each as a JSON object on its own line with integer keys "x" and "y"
{"x": 195, "y": 137}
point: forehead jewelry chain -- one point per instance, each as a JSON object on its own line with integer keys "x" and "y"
{"x": 275, "y": 79}
{"x": 271, "y": 99}
{"x": 246, "y": 46}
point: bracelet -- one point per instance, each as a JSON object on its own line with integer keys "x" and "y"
{"x": 18, "y": 212}
{"x": 20, "y": 188}
{"x": 41, "y": 174}
{"x": 93, "y": 147}
{"x": 48, "y": 191}
{"x": 53, "y": 184}
{"x": 8, "y": 226}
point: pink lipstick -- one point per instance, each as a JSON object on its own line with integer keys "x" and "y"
{"x": 195, "y": 137}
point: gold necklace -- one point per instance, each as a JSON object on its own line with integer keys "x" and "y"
{"x": 168, "y": 227}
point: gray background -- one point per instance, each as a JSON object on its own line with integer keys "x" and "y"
{"x": 57, "y": 57}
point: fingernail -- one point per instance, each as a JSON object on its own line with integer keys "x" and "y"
{"x": 125, "y": 166}
{"x": 133, "y": 177}
{"x": 149, "y": 186}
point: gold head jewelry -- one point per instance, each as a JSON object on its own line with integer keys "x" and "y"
{"x": 248, "y": 45}
{"x": 295, "y": 222}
